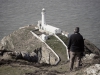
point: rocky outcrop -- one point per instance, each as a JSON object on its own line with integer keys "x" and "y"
{"x": 20, "y": 40}
{"x": 91, "y": 48}
{"x": 24, "y": 42}
{"x": 24, "y": 45}
{"x": 32, "y": 57}
{"x": 93, "y": 70}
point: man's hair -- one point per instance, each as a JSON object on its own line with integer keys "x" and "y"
{"x": 76, "y": 30}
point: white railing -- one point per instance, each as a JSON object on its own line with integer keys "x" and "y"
{"x": 47, "y": 46}
{"x": 64, "y": 45}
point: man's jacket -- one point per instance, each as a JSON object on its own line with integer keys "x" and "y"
{"x": 76, "y": 43}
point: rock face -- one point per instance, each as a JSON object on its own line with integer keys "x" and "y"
{"x": 26, "y": 46}
{"x": 91, "y": 48}
{"x": 93, "y": 70}
{"x": 20, "y": 40}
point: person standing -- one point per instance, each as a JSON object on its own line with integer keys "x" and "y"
{"x": 76, "y": 48}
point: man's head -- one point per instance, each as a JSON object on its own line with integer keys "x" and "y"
{"x": 76, "y": 30}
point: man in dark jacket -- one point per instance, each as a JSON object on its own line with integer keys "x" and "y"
{"x": 76, "y": 48}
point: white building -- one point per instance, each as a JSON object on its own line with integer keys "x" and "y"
{"x": 47, "y": 28}
{"x": 51, "y": 29}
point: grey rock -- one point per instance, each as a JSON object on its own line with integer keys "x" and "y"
{"x": 89, "y": 56}
{"x": 6, "y": 56}
{"x": 33, "y": 57}
{"x": 17, "y": 54}
{"x": 93, "y": 70}
{"x": 25, "y": 55}
{"x": 91, "y": 48}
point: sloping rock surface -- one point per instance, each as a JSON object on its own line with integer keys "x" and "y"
{"x": 20, "y": 40}
{"x": 23, "y": 40}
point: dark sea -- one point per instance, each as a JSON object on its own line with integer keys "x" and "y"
{"x": 65, "y": 14}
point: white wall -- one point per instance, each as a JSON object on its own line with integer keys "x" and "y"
{"x": 48, "y": 28}
{"x": 52, "y": 29}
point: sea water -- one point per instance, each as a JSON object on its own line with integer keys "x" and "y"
{"x": 65, "y": 14}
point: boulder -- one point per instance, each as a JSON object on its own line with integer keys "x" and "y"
{"x": 93, "y": 70}
{"x": 89, "y": 56}
{"x": 6, "y": 56}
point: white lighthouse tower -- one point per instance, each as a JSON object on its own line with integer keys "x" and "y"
{"x": 43, "y": 17}
{"x": 43, "y": 27}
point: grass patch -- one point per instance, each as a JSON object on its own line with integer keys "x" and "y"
{"x": 58, "y": 47}
{"x": 63, "y": 38}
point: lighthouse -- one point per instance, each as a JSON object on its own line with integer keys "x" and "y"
{"x": 43, "y": 17}
{"x": 43, "y": 27}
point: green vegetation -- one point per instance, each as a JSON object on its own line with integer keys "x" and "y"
{"x": 63, "y": 38}
{"x": 58, "y": 47}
